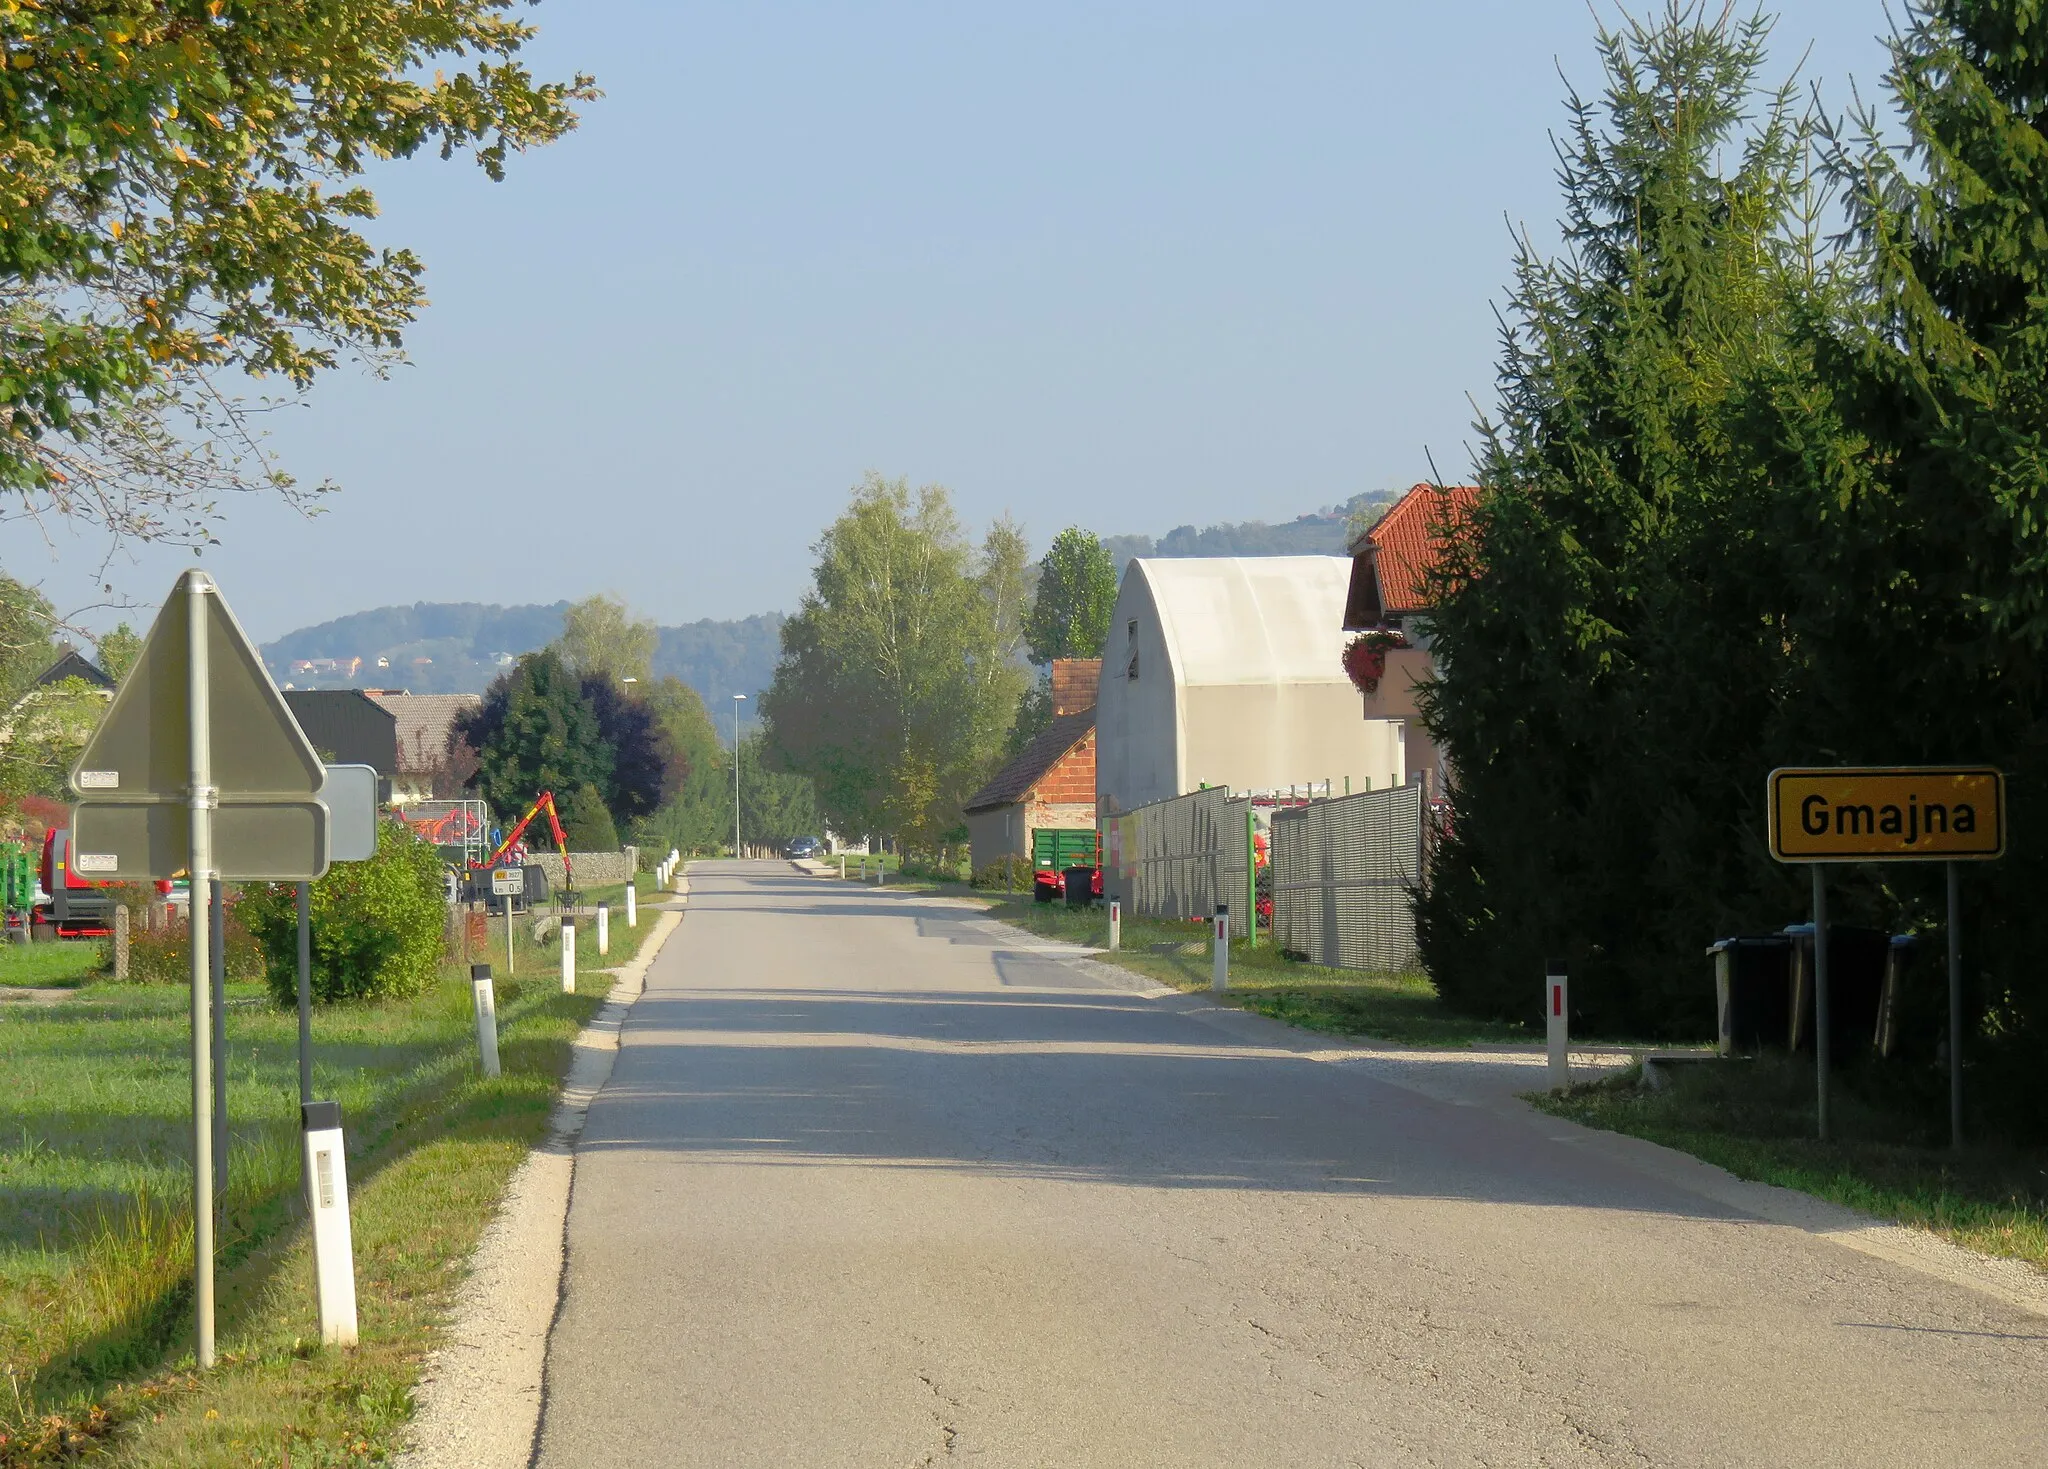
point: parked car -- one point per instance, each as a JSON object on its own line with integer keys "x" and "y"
{"x": 803, "y": 847}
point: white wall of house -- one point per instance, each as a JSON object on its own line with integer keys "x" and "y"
{"x": 1229, "y": 671}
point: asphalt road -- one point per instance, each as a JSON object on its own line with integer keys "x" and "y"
{"x": 872, "y": 1184}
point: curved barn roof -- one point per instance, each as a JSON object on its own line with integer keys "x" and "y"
{"x": 1251, "y": 619}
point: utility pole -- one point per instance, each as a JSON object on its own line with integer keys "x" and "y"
{"x": 736, "y": 699}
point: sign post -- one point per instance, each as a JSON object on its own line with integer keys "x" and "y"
{"x": 508, "y": 883}
{"x": 199, "y": 768}
{"x": 1913, "y": 813}
{"x": 199, "y": 867}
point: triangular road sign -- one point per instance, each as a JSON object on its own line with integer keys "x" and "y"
{"x": 133, "y": 781}
{"x": 140, "y": 749}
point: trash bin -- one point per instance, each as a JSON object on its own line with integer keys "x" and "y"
{"x": 1857, "y": 960}
{"x": 1890, "y": 1005}
{"x": 1080, "y": 886}
{"x": 1752, "y": 992}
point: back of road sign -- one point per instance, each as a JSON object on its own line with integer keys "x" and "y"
{"x": 133, "y": 819}
{"x": 350, "y": 795}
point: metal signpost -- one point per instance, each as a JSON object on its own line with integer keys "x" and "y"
{"x": 199, "y": 767}
{"x": 508, "y": 883}
{"x": 1914, "y": 813}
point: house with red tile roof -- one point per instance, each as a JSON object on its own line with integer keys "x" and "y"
{"x": 1388, "y": 657}
{"x": 1051, "y": 783}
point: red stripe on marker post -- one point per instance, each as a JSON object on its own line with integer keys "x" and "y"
{"x": 1558, "y": 1025}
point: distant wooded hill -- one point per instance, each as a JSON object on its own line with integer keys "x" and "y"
{"x": 459, "y": 647}
{"x": 1325, "y": 532}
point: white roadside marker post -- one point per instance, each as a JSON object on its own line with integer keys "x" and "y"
{"x": 1116, "y": 925}
{"x": 1557, "y": 1023}
{"x": 604, "y": 929}
{"x": 632, "y": 905}
{"x": 842, "y": 867}
{"x": 1219, "y": 980}
{"x": 333, "y": 1249}
{"x": 485, "y": 997}
{"x": 568, "y": 956}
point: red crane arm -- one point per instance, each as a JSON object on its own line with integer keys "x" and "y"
{"x": 545, "y": 801}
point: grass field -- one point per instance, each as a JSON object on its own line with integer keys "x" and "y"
{"x": 1756, "y": 1119}
{"x": 95, "y": 1225}
{"x": 53, "y": 964}
{"x": 1395, "y": 1007}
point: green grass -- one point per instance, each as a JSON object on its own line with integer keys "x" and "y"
{"x": 95, "y": 1227}
{"x": 54, "y": 963}
{"x": 1397, "y": 1007}
{"x": 534, "y": 957}
{"x": 1756, "y": 1119}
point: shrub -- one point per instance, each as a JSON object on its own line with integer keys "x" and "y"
{"x": 377, "y": 925}
{"x": 165, "y": 957}
{"x": 1010, "y": 874}
{"x": 586, "y": 822}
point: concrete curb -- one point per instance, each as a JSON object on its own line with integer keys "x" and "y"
{"x": 478, "y": 1402}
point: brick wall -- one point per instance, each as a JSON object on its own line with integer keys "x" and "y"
{"x": 1072, "y": 780}
{"x": 1073, "y": 684}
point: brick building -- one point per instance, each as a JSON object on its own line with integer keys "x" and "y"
{"x": 1052, "y": 783}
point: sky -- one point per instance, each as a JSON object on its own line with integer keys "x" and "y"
{"x": 1122, "y": 265}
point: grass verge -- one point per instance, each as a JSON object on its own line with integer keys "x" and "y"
{"x": 95, "y": 1225}
{"x": 1756, "y": 1119}
{"x": 1403, "y": 1008}
{"x": 53, "y": 964}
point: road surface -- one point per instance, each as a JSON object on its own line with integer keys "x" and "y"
{"x": 874, "y": 1183}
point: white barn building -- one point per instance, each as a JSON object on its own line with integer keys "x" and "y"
{"x": 1229, "y": 671}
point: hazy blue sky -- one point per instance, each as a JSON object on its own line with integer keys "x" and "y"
{"x": 1127, "y": 265}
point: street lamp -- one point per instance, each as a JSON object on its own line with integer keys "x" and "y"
{"x": 736, "y": 698}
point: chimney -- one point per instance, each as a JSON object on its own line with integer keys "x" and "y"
{"x": 1073, "y": 684}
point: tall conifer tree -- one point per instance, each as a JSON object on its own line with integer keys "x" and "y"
{"x": 1608, "y": 625}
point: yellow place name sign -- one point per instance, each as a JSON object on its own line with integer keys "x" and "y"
{"x": 1926, "y": 813}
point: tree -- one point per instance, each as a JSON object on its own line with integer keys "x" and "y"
{"x": 1611, "y": 626}
{"x": 27, "y": 645}
{"x": 180, "y": 201}
{"x": 644, "y": 761}
{"x": 600, "y": 636}
{"x": 1076, "y": 594}
{"x": 44, "y": 732}
{"x": 1922, "y": 609}
{"x": 118, "y": 651}
{"x": 377, "y": 925}
{"x": 534, "y": 732}
{"x": 587, "y": 823}
{"x": 1069, "y": 618}
{"x": 899, "y": 675}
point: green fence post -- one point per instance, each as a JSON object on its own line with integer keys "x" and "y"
{"x": 1251, "y": 876}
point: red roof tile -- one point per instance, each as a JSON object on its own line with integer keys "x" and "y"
{"x": 1014, "y": 781}
{"x": 1403, "y": 546}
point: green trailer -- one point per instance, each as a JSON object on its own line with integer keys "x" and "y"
{"x": 1056, "y": 848}
{"x": 17, "y": 885}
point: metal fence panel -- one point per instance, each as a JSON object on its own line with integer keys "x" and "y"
{"x": 1342, "y": 874}
{"x": 1177, "y": 858}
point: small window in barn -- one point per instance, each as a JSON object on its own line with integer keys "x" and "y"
{"x": 1132, "y": 671}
